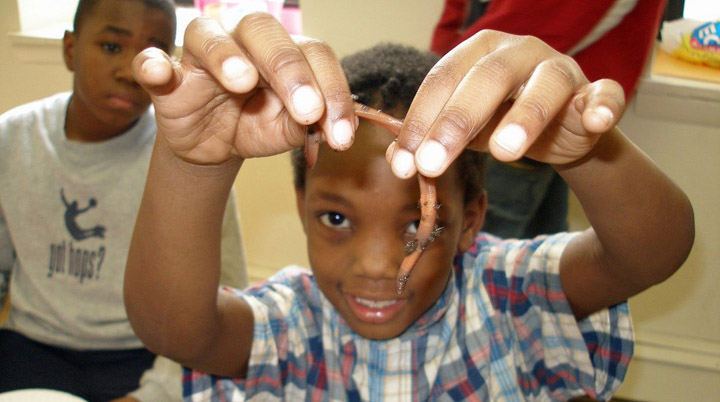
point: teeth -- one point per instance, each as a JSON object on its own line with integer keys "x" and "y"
{"x": 375, "y": 304}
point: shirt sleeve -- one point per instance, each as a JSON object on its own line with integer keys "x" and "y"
{"x": 160, "y": 383}
{"x": 7, "y": 258}
{"x": 448, "y": 31}
{"x": 566, "y": 23}
{"x": 280, "y": 358}
{"x": 555, "y": 353}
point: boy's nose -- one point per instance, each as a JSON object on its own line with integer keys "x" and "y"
{"x": 123, "y": 70}
{"x": 378, "y": 256}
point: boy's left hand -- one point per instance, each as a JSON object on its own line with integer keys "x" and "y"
{"x": 247, "y": 93}
{"x": 512, "y": 96}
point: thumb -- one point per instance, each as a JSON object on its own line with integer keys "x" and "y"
{"x": 156, "y": 72}
{"x": 601, "y": 106}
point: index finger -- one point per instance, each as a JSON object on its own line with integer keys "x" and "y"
{"x": 283, "y": 65}
{"x": 432, "y": 96}
{"x": 208, "y": 45}
{"x": 456, "y": 100}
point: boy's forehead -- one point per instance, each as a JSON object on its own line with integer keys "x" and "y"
{"x": 370, "y": 141}
{"x": 135, "y": 17}
{"x": 364, "y": 162}
{"x": 108, "y": 8}
{"x": 127, "y": 9}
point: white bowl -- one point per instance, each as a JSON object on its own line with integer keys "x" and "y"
{"x": 39, "y": 395}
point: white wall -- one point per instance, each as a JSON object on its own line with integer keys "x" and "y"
{"x": 35, "y": 14}
{"x": 678, "y": 322}
{"x": 22, "y": 82}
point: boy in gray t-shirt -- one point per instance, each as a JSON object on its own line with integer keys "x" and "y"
{"x": 72, "y": 172}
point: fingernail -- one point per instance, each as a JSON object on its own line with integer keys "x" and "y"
{"x": 153, "y": 66}
{"x": 390, "y": 151}
{"x": 603, "y": 114}
{"x": 511, "y": 138}
{"x": 342, "y": 133}
{"x": 403, "y": 164}
{"x": 432, "y": 156}
{"x": 234, "y": 68}
{"x": 305, "y": 100}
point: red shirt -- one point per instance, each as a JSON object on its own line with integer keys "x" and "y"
{"x": 620, "y": 54}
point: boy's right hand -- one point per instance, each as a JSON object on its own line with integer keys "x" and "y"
{"x": 512, "y": 96}
{"x": 247, "y": 93}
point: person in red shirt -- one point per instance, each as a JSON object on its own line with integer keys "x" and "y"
{"x": 607, "y": 38}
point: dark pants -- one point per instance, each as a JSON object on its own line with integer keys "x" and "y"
{"x": 97, "y": 376}
{"x": 525, "y": 199}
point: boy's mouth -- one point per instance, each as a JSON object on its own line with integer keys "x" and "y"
{"x": 122, "y": 102}
{"x": 375, "y": 311}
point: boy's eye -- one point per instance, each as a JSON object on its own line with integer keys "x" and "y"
{"x": 110, "y": 47}
{"x": 413, "y": 227}
{"x": 334, "y": 220}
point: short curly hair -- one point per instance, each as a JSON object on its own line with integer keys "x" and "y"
{"x": 387, "y": 76}
{"x": 86, "y": 7}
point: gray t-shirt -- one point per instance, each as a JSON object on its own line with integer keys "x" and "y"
{"x": 67, "y": 211}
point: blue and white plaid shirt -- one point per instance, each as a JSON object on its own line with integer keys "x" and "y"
{"x": 502, "y": 331}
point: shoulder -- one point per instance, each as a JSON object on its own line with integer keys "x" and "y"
{"x": 513, "y": 287}
{"x": 490, "y": 252}
{"x": 291, "y": 288}
{"x": 51, "y": 104}
{"x": 46, "y": 112}
{"x": 293, "y": 276}
{"x": 515, "y": 271}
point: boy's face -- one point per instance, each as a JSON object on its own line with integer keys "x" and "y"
{"x": 358, "y": 217}
{"x": 106, "y": 99}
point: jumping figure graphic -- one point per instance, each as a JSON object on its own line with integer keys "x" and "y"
{"x": 72, "y": 211}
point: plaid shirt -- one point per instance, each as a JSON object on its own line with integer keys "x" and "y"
{"x": 502, "y": 331}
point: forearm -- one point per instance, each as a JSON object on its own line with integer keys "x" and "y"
{"x": 233, "y": 270}
{"x": 642, "y": 223}
{"x": 171, "y": 282}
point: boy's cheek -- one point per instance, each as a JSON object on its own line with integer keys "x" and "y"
{"x": 327, "y": 258}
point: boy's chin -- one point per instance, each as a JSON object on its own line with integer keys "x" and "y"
{"x": 379, "y": 335}
{"x": 378, "y": 332}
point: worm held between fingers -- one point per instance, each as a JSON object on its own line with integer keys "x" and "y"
{"x": 312, "y": 146}
{"x": 426, "y": 232}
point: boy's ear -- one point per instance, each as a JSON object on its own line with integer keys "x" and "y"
{"x": 473, "y": 219}
{"x": 68, "y": 44}
{"x": 300, "y": 204}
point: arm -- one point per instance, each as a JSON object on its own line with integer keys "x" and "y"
{"x": 62, "y": 198}
{"x": 175, "y": 252}
{"x": 642, "y": 226}
{"x": 251, "y": 94}
{"x": 233, "y": 270}
{"x": 162, "y": 382}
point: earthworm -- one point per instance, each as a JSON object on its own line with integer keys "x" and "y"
{"x": 426, "y": 231}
